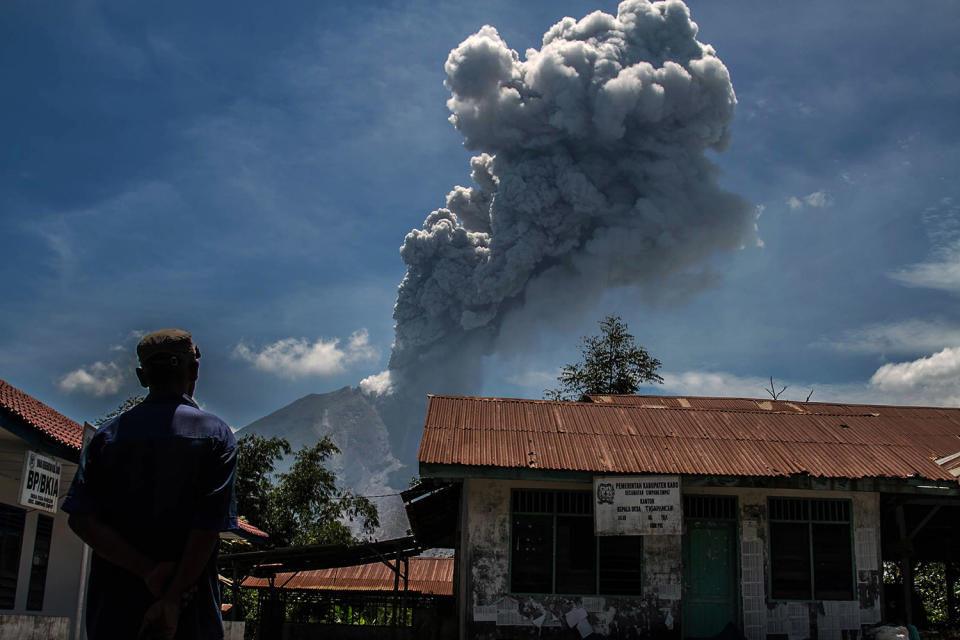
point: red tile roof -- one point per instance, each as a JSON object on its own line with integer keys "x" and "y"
{"x": 39, "y": 416}
{"x": 246, "y": 527}
{"x": 430, "y": 576}
{"x": 699, "y": 436}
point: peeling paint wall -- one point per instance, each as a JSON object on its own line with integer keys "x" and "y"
{"x": 825, "y": 620}
{"x": 26, "y": 627}
{"x": 493, "y": 613}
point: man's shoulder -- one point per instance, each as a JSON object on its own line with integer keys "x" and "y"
{"x": 204, "y": 422}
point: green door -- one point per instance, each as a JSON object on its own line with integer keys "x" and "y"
{"x": 709, "y": 577}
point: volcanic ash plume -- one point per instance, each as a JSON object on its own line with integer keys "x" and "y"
{"x": 591, "y": 173}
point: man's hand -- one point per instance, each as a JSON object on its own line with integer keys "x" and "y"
{"x": 160, "y": 621}
{"x": 159, "y": 577}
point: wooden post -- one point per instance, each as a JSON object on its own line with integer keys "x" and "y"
{"x": 906, "y": 566}
{"x": 237, "y": 606}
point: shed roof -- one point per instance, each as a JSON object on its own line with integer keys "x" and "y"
{"x": 39, "y": 417}
{"x": 429, "y": 576}
{"x": 698, "y": 436}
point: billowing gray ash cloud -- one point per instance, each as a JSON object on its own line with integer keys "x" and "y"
{"x": 591, "y": 173}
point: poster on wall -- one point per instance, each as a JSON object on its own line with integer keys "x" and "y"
{"x": 40, "y": 484}
{"x": 637, "y": 505}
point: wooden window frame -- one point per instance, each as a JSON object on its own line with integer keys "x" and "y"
{"x": 556, "y": 512}
{"x": 804, "y": 513}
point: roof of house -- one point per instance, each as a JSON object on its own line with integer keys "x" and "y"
{"x": 429, "y": 576}
{"x": 689, "y": 435}
{"x": 38, "y": 416}
{"x": 246, "y": 527}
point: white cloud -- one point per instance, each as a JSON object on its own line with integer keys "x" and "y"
{"x": 819, "y": 199}
{"x": 931, "y": 381}
{"x": 717, "y": 383}
{"x": 534, "y": 379}
{"x": 941, "y": 270}
{"x": 942, "y": 274}
{"x": 908, "y": 337}
{"x": 940, "y": 370}
{"x": 298, "y": 358}
{"x": 98, "y": 379}
{"x": 379, "y": 384}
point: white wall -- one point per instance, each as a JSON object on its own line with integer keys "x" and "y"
{"x": 66, "y": 550}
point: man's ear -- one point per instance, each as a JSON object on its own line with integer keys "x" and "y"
{"x": 194, "y": 370}
{"x": 142, "y": 377}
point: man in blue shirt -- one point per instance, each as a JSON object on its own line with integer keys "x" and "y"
{"x": 153, "y": 491}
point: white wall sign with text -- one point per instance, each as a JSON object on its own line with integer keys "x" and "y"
{"x": 637, "y": 505}
{"x": 40, "y": 484}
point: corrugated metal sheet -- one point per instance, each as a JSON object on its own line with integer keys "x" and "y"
{"x": 709, "y": 436}
{"x": 429, "y": 576}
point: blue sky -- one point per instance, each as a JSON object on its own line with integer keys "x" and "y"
{"x": 248, "y": 171}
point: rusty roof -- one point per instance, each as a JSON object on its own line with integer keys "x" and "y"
{"x": 39, "y": 417}
{"x": 697, "y": 436}
{"x": 428, "y": 576}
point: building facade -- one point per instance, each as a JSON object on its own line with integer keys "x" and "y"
{"x": 42, "y": 563}
{"x": 636, "y": 517}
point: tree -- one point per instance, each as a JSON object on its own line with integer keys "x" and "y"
{"x": 304, "y": 505}
{"x": 254, "y": 488}
{"x": 126, "y": 405}
{"x": 612, "y": 363}
{"x": 776, "y": 394}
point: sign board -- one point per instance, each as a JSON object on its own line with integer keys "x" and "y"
{"x": 40, "y": 484}
{"x": 637, "y": 505}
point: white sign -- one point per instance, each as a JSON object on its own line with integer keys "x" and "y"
{"x": 40, "y": 484}
{"x": 637, "y": 505}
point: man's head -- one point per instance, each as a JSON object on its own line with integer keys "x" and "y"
{"x": 168, "y": 361}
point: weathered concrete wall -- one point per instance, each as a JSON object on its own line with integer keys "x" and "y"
{"x": 34, "y": 628}
{"x": 825, "y": 620}
{"x": 491, "y": 612}
{"x": 486, "y": 556}
{"x": 233, "y": 629}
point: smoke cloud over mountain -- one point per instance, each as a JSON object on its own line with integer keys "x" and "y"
{"x": 590, "y": 173}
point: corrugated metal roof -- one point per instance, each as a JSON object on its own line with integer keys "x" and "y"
{"x": 701, "y": 436}
{"x": 39, "y": 416}
{"x": 430, "y": 576}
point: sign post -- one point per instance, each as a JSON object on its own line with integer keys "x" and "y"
{"x": 637, "y": 505}
{"x": 40, "y": 484}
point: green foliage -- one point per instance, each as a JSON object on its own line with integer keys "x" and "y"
{"x": 612, "y": 363}
{"x": 126, "y": 405}
{"x": 255, "y": 484}
{"x": 930, "y": 584}
{"x": 304, "y": 505}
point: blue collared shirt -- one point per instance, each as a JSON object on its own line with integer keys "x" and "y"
{"x": 153, "y": 474}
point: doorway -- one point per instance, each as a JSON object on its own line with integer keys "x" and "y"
{"x": 710, "y": 568}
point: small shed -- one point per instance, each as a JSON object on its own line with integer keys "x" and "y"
{"x": 42, "y": 563}
{"x": 380, "y": 589}
{"x": 680, "y": 517}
